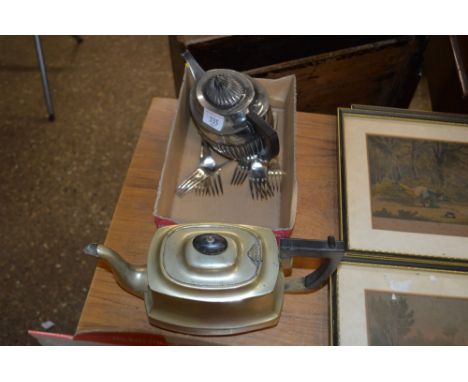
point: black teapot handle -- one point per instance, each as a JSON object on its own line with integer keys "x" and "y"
{"x": 267, "y": 133}
{"x": 330, "y": 250}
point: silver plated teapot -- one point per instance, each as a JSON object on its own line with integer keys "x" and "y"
{"x": 232, "y": 113}
{"x": 219, "y": 279}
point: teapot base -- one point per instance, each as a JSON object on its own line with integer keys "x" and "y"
{"x": 202, "y": 318}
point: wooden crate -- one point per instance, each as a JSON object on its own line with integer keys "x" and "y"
{"x": 446, "y": 70}
{"x": 331, "y": 71}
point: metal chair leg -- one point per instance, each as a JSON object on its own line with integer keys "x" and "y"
{"x": 45, "y": 81}
{"x": 78, "y": 39}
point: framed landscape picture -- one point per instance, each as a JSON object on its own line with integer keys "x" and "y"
{"x": 404, "y": 182}
{"x": 381, "y": 305}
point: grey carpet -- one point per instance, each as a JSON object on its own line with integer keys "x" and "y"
{"x": 59, "y": 182}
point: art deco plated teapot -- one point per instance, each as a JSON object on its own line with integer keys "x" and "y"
{"x": 232, "y": 113}
{"x": 218, "y": 279}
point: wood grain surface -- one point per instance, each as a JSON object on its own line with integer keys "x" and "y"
{"x": 330, "y": 71}
{"x": 304, "y": 319}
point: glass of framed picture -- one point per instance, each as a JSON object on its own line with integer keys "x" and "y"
{"x": 404, "y": 183}
{"x": 375, "y": 304}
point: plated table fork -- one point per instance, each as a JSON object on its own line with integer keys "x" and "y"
{"x": 205, "y": 179}
{"x": 264, "y": 179}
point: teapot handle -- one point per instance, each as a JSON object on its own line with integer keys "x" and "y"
{"x": 267, "y": 133}
{"x": 193, "y": 65}
{"x": 330, "y": 250}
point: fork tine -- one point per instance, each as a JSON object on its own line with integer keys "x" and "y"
{"x": 270, "y": 189}
{"x": 239, "y": 175}
{"x": 208, "y": 187}
{"x": 257, "y": 189}
{"x": 280, "y": 178}
{"x": 214, "y": 181}
{"x": 198, "y": 190}
{"x": 266, "y": 188}
{"x": 243, "y": 151}
{"x": 235, "y": 176}
{"x": 220, "y": 183}
{"x": 205, "y": 187}
{"x": 244, "y": 175}
{"x": 191, "y": 184}
{"x": 251, "y": 188}
{"x": 184, "y": 184}
{"x": 280, "y": 174}
{"x": 202, "y": 188}
{"x": 182, "y": 189}
{"x": 260, "y": 189}
{"x": 214, "y": 185}
{"x": 273, "y": 181}
{"x": 197, "y": 176}
{"x": 193, "y": 181}
{"x": 266, "y": 193}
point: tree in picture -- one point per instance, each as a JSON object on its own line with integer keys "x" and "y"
{"x": 412, "y": 319}
{"x": 418, "y": 185}
{"x": 390, "y": 321}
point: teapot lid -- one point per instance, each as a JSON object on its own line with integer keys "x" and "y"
{"x": 225, "y": 91}
{"x": 212, "y": 257}
{"x": 215, "y": 261}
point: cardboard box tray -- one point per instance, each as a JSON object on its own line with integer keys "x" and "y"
{"x": 235, "y": 205}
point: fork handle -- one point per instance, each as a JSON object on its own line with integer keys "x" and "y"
{"x": 267, "y": 133}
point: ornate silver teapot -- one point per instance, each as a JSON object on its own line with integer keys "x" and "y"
{"x": 232, "y": 113}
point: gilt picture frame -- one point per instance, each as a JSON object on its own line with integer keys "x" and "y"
{"x": 404, "y": 183}
{"x": 377, "y": 304}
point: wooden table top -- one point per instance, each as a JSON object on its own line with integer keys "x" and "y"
{"x": 304, "y": 319}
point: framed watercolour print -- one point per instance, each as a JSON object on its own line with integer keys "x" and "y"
{"x": 382, "y": 305}
{"x": 404, "y": 182}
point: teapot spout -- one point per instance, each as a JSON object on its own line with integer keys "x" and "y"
{"x": 131, "y": 278}
{"x": 194, "y": 66}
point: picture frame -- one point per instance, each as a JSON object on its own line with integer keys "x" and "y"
{"x": 412, "y": 113}
{"x": 403, "y": 176}
{"x": 380, "y": 304}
